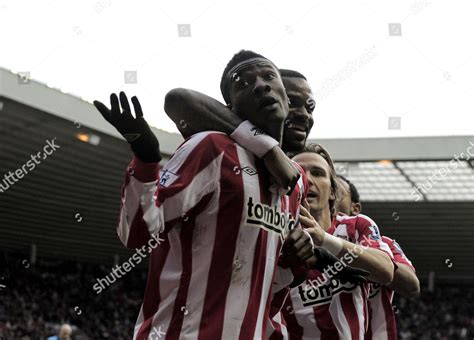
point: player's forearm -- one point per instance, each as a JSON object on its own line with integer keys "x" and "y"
{"x": 134, "y": 229}
{"x": 193, "y": 112}
{"x": 405, "y": 282}
{"x": 375, "y": 261}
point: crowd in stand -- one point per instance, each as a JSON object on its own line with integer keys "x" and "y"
{"x": 36, "y": 299}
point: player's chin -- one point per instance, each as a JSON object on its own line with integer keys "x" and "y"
{"x": 293, "y": 144}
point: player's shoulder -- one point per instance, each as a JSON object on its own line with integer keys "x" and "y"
{"x": 341, "y": 218}
{"x": 206, "y": 141}
{"x": 364, "y": 220}
{"x": 388, "y": 240}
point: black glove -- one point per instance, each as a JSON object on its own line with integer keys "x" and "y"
{"x": 136, "y": 131}
{"x": 347, "y": 274}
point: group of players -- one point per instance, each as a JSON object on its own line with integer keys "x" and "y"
{"x": 257, "y": 245}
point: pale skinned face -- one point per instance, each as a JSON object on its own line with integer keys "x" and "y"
{"x": 344, "y": 204}
{"x": 319, "y": 180}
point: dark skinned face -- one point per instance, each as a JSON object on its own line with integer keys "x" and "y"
{"x": 299, "y": 122}
{"x": 257, "y": 94}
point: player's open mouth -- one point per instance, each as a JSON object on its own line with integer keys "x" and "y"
{"x": 267, "y": 103}
{"x": 297, "y": 127}
{"x": 312, "y": 195}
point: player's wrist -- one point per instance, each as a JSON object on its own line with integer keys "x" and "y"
{"x": 144, "y": 172}
{"x": 332, "y": 243}
{"x": 253, "y": 139}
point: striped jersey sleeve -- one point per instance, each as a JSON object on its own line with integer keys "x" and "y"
{"x": 398, "y": 254}
{"x": 190, "y": 174}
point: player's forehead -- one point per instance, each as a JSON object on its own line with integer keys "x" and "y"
{"x": 255, "y": 69}
{"x": 311, "y": 160}
{"x": 297, "y": 87}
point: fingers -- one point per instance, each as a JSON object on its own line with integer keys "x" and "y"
{"x": 137, "y": 107}
{"x": 305, "y": 212}
{"x": 124, "y": 102}
{"x": 307, "y": 222}
{"x": 306, "y": 205}
{"x": 114, "y": 104}
{"x": 104, "y": 111}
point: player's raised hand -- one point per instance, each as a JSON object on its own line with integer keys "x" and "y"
{"x": 135, "y": 130}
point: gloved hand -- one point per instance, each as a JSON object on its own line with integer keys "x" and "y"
{"x": 348, "y": 274}
{"x": 135, "y": 130}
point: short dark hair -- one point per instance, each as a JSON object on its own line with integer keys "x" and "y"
{"x": 320, "y": 150}
{"x": 291, "y": 74}
{"x": 355, "y": 197}
{"x": 240, "y": 56}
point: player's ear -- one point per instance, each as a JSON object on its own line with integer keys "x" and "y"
{"x": 356, "y": 208}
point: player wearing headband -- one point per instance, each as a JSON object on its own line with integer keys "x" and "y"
{"x": 382, "y": 323}
{"x": 326, "y": 307}
{"x": 222, "y": 227}
{"x": 195, "y": 112}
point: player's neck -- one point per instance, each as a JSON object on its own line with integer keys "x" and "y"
{"x": 323, "y": 217}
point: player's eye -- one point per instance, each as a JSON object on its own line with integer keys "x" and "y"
{"x": 269, "y": 76}
{"x": 239, "y": 81}
{"x": 317, "y": 172}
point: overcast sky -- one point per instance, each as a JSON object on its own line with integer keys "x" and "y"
{"x": 377, "y": 68}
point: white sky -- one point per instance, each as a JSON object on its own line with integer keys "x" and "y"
{"x": 360, "y": 74}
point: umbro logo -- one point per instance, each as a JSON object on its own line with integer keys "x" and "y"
{"x": 257, "y": 131}
{"x": 247, "y": 169}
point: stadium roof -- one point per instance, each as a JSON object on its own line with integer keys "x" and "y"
{"x": 69, "y": 203}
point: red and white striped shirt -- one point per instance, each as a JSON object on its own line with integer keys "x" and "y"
{"x": 223, "y": 228}
{"x": 331, "y": 310}
{"x": 382, "y": 324}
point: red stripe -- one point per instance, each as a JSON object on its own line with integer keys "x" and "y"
{"x": 253, "y": 305}
{"x": 266, "y": 198}
{"x": 138, "y": 234}
{"x": 350, "y": 311}
{"x": 324, "y": 322}
{"x": 386, "y": 297}
{"x": 231, "y": 203}
{"x": 152, "y": 297}
{"x": 186, "y": 238}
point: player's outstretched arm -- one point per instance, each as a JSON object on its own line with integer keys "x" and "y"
{"x": 139, "y": 189}
{"x": 405, "y": 282}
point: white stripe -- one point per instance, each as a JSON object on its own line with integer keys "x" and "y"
{"x": 133, "y": 193}
{"x": 202, "y": 184}
{"x": 378, "y": 322}
{"x": 239, "y": 288}
{"x": 204, "y": 235}
{"x": 169, "y": 281}
{"x": 359, "y": 307}
{"x": 339, "y": 318}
